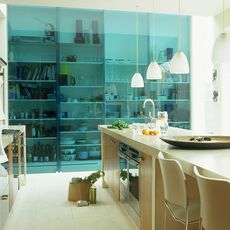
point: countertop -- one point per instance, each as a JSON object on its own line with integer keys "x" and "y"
{"x": 213, "y": 162}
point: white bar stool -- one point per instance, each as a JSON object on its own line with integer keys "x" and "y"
{"x": 215, "y": 202}
{"x": 176, "y": 197}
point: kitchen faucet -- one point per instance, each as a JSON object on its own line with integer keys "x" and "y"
{"x": 151, "y": 115}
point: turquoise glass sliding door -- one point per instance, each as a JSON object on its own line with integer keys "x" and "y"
{"x": 70, "y": 70}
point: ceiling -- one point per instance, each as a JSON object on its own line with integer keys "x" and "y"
{"x": 188, "y": 7}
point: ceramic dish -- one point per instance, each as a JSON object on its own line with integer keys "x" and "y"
{"x": 198, "y": 142}
{"x": 67, "y": 142}
{"x": 68, "y": 151}
{"x": 81, "y": 141}
{"x": 69, "y": 157}
{"x": 83, "y": 155}
{"x": 94, "y": 141}
{"x": 82, "y": 128}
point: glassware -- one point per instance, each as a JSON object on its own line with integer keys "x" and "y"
{"x": 135, "y": 128}
{"x": 152, "y": 124}
{"x": 138, "y": 127}
{"x": 163, "y": 122}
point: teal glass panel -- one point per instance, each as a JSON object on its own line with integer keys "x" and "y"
{"x": 71, "y": 69}
{"x": 81, "y": 87}
{"x": 33, "y": 83}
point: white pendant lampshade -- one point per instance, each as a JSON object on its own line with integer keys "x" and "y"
{"x": 221, "y": 49}
{"x": 137, "y": 81}
{"x": 154, "y": 71}
{"x": 179, "y": 63}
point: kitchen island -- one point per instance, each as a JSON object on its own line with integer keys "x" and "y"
{"x": 212, "y": 162}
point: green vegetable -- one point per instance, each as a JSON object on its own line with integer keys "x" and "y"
{"x": 118, "y": 125}
{"x": 92, "y": 178}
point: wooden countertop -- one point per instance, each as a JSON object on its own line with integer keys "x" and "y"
{"x": 213, "y": 162}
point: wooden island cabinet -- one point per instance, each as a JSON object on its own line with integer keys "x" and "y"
{"x": 212, "y": 162}
{"x": 111, "y": 180}
{"x": 110, "y": 165}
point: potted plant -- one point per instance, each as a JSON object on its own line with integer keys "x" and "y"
{"x": 79, "y": 187}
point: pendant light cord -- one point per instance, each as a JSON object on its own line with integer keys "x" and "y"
{"x": 179, "y": 28}
{"x": 137, "y": 40}
{"x": 154, "y": 31}
{"x": 223, "y": 16}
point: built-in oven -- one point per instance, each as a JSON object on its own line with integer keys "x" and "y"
{"x": 129, "y": 181}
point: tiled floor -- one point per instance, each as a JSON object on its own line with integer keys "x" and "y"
{"x": 42, "y": 205}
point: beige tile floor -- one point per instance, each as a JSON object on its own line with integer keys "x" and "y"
{"x": 42, "y": 205}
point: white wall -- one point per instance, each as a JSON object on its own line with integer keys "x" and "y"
{"x": 207, "y": 115}
{"x": 202, "y": 38}
{"x": 221, "y": 110}
{"x": 225, "y": 98}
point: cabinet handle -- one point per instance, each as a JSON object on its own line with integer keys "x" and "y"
{"x": 4, "y": 197}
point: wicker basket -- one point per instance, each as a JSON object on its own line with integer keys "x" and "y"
{"x": 79, "y": 191}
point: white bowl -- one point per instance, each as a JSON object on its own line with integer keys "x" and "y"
{"x": 94, "y": 141}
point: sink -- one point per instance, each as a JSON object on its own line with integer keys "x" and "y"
{"x": 198, "y": 142}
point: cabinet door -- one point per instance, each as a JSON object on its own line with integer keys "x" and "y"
{"x": 111, "y": 168}
{"x": 33, "y": 83}
{"x": 122, "y": 101}
{"x": 146, "y": 191}
{"x": 81, "y": 87}
{"x": 105, "y": 158}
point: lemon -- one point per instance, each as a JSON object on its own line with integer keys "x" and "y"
{"x": 145, "y": 132}
{"x": 154, "y": 132}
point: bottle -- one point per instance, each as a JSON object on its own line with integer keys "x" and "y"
{"x": 46, "y": 153}
{"x": 34, "y": 153}
{"x": 92, "y": 195}
{"x": 34, "y": 132}
{"x": 54, "y": 152}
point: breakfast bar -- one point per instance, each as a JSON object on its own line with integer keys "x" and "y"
{"x": 212, "y": 162}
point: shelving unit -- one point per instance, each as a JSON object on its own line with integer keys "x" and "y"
{"x": 65, "y": 82}
{"x": 171, "y": 94}
{"x": 33, "y": 83}
{"x": 81, "y": 88}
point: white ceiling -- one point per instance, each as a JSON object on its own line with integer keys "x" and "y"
{"x": 188, "y": 7}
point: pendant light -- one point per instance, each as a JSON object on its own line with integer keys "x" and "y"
{"x": 179, "y": 63}
{"x": 154, "y": 70}
{"x": 221, "y": 48}
{"x": 137, "y": 79}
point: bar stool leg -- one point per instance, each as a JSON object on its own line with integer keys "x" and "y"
{"x": 186, "y": 219}
{"x": 165, "y": 218}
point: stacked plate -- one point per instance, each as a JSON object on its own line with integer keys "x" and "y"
{"x": 67, "y": 141}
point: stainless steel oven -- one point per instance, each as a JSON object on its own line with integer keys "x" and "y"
{"x": 129, "y": 181}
